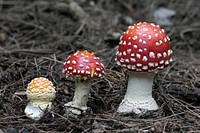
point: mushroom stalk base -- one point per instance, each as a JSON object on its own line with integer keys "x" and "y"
{"x": 35, "y": 109}
{"x": 139, "y": 94}
{"x": 80, "y": 98}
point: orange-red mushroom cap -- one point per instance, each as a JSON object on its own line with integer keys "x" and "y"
{"x": 144, "y": 47}
{"x": 83, "y": 64}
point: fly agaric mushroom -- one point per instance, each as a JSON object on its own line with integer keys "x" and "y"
{"x": 40, "y": 92}
{"x": 83, "y": 66}
{"x": 143, "y": 49}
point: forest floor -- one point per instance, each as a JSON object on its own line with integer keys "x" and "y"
{"x": 36, "y": 38}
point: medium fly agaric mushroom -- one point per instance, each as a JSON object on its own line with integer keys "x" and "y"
{"x": 83, "y": 66}
{"x": 40, "y": 92}
{"x": 143, "y": 50}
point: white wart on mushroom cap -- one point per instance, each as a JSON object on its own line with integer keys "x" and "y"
{"x": 83, "y": 64}
{"x": 144, "y": 47}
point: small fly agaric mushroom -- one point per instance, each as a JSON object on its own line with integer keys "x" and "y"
{"x": 83, "y": 66}
{"x": 40, "y": 92}
{"x": 143, "y": 49}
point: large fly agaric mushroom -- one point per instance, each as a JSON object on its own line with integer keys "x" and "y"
{"x": 83, "y": 66}
{"x": 40, "y": 92}
{"x": 143, "y": 49}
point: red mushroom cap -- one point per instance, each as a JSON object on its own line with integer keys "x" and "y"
{"x": 83, "y": 64}
{"x": 144, "y": 47}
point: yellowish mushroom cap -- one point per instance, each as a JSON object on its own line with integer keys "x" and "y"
{"x": 40, "y": 89}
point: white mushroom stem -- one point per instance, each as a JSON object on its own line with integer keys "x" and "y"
{"x": 35, "y": 109}
{"x": 139, "y": 93}
{"x": 80, "y": 98}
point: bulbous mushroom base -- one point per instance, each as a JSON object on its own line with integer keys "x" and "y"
{"x": 35, "y": 110}
{"x": 73, "y": 108}
{"x": 137, "y": 107}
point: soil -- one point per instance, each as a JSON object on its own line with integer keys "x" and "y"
{"x": 37, "y": 36}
